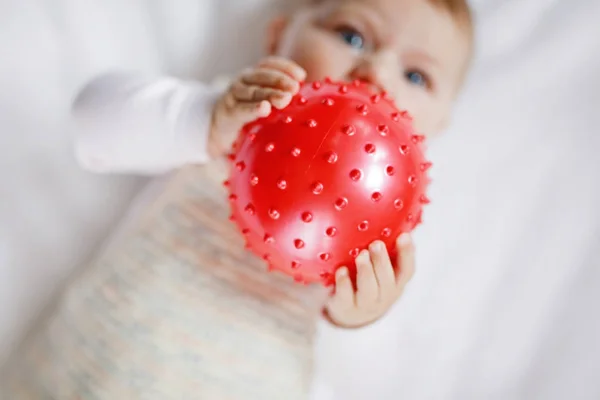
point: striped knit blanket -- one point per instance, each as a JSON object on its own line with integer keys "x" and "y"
{"x": 176, "y": 309}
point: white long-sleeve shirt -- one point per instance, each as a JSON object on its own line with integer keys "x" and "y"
{"x": 131, "y": 123}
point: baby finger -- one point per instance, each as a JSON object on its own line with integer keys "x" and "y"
{"x": 272, "y": 78}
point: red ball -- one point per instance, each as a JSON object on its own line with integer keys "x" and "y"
{"x": 315, "y": 183}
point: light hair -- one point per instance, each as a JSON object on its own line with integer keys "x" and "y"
{"x": 459, "y": 10}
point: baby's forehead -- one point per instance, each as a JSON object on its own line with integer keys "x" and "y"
{"x": 429, "y": 24}
{"x": 437, "y": 30}
{"x": 456, "y": 10}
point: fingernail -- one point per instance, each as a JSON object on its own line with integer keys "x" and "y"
{"x": 377, "y": 246}
{"x": 264, "y": 108}
{"x": 363, "y": 256}
{"x": 342, "y": 272}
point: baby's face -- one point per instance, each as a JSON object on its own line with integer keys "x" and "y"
{"x": 412, "y": 49}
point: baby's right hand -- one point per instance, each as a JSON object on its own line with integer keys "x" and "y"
{"x": 272, "y": 83}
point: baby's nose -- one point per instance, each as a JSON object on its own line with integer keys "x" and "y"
{"x": 377, "y": 70}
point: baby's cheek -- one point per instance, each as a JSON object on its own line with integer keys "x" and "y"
{"x": 424, "y": 122}
{"x": 424, "y": 115}
{"x": 405, "y": 102}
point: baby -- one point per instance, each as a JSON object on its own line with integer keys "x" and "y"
{"x": 416, "y": 50}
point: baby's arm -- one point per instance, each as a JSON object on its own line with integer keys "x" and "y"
{"x": 127, "y": 123}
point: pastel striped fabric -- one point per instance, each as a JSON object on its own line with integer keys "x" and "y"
{"x": 177, "y": 309}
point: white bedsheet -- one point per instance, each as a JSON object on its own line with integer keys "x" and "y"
{"x": 504, "y": 304}
{"x": 505, "y": 301}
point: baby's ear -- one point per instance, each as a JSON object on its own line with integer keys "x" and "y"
{"x": 275, "y": 33}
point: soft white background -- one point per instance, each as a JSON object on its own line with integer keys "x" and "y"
{"x": 506, "y": 300}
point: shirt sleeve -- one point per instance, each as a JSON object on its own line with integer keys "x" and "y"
{"x": 128, "y": 123}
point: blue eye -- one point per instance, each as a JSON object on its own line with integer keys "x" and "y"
{"x": 416, "y": 78}
{"x": 353, "y": 38}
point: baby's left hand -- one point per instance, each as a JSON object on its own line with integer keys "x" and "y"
{"x": 378, "y": 285}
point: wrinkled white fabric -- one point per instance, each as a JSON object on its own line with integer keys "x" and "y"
{"x": 504, "y": 302}
{"x": 52, "y": 213}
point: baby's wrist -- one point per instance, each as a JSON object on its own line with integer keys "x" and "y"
{"x": 215, "y": 147}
